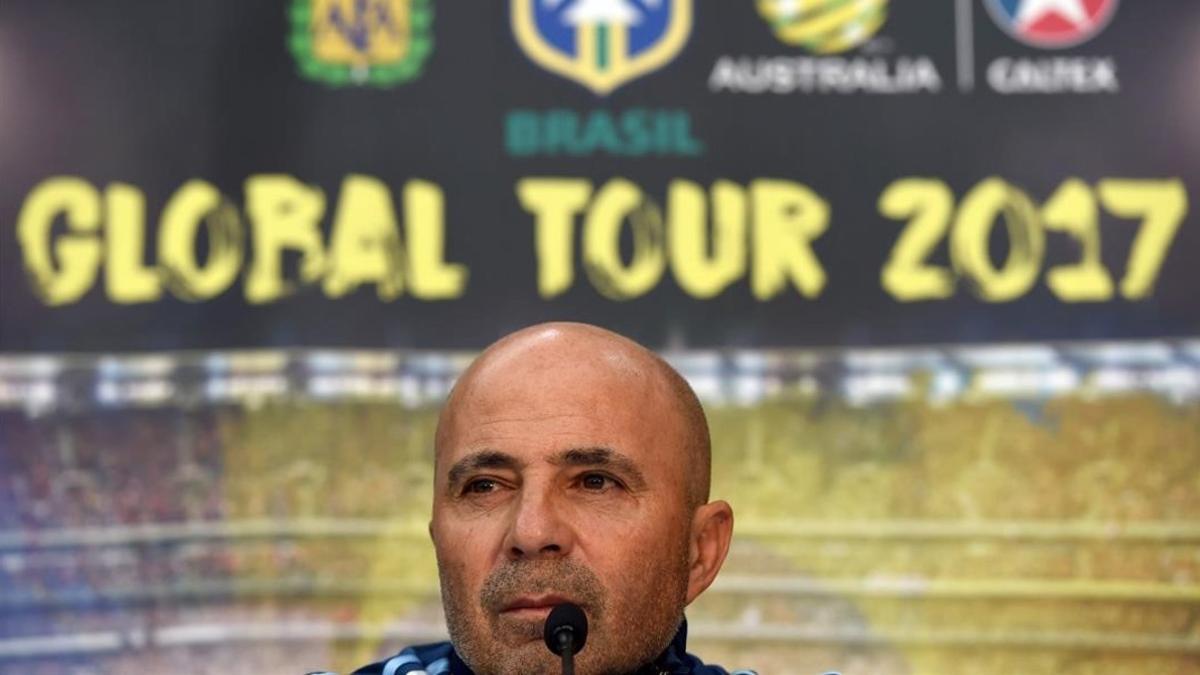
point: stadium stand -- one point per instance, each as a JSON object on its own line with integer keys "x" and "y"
{"x": 898, "y": 512}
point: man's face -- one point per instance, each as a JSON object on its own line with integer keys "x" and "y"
{"x": 561, "y": 482}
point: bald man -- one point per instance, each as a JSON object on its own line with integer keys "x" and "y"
{"x": 571, "y": 465}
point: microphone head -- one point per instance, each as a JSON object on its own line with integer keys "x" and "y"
{"x": 565, "y": 618}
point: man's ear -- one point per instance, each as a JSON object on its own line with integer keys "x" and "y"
{"x": 712, "y": 530}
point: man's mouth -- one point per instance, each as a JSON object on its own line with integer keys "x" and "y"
{"x": 532, "y": 606}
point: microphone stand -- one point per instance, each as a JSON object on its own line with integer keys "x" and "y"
{"x": 566, "y": 646}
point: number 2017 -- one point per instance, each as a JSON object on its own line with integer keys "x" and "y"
{"x": 928, "y": 206}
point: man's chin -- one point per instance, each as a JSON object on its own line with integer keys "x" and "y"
{"x": 521, "y": 656}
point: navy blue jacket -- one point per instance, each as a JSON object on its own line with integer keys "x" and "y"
{"x": 441, "y": 659}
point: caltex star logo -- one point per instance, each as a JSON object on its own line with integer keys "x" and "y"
{"x": 1052, "y": 24}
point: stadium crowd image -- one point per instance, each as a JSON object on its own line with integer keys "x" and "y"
{"x": 921, "y": 276}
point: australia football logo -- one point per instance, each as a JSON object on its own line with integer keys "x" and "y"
{"x": 601, "y": 44}
{"x": 1052, "y": 24}
{"x": 372, "y": 42}
{"x": 824, "y": 26}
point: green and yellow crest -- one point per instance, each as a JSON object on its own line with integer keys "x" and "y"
{"x": 357, "y": 42}
{"x": 824, "y": 26}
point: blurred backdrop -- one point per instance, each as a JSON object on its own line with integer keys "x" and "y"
{"x": 928, "y": 265}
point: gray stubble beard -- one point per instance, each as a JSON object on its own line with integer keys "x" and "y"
{"x": 639, "y": 643}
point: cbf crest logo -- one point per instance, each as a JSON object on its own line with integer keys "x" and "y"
{"x": 1052, "y": 24}
{"x": 601, "y": 44}
{"x": 372, "y": 42}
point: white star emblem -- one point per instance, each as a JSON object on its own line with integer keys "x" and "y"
{"x": 1071, "y": 10}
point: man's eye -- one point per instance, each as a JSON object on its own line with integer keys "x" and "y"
{"x": 480, "y": 486}
{"x": 596, "y": 481}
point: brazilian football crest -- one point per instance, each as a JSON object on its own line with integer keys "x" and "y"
{"x": 601, "y": 44}
{"x": 375, "y": 42}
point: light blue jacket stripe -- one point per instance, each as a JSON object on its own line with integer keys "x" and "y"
{"x": 395, "y": 662}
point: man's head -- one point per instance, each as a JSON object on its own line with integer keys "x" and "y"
{"x": 572, "y": 464}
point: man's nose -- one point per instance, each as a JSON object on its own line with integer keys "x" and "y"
{"x": 538, "y": 529}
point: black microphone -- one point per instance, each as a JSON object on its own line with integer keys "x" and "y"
{"x": 565, "y": 634}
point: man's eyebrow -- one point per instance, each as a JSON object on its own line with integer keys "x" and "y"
{"x": 484, "y": 459}
{"x": 603, "y": 457}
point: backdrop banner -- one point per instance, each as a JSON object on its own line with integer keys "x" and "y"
{"x": 930, "y": 267}
{"x": 418, "y": 174}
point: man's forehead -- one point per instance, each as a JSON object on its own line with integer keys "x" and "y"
{"x": 539, "y": 416}
{"x": 531, "y": 422}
